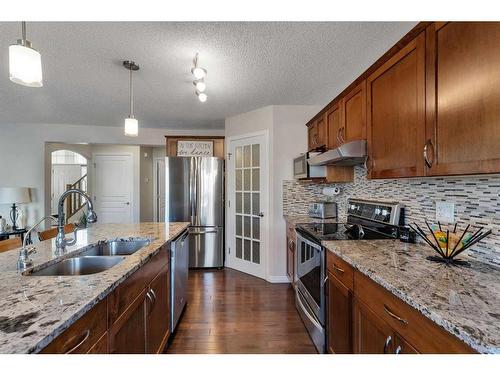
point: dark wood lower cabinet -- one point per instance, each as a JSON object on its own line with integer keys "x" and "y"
{"x": 371, "y": 334}
{"x": 128, "y": 333}
{"x": 133, "y": 319}
{"x": 158, "y": 312}
{"x": 339, "y": 317}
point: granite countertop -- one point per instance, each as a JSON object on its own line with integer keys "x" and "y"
{"x": 465, "y": 301}
{"x": 36, "y": 309}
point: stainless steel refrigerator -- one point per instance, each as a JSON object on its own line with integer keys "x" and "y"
{"x": 194, "y": 192}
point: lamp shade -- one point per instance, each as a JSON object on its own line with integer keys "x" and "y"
{"x": 25, "y": 66}
{"x": 131, "y": 127}
{"x": 9, "y": 195}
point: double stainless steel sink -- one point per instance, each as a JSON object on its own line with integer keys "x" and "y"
{"x": 94, "y": 259}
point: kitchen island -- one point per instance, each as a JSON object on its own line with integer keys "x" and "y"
{"x": 35, "y": 310}
{"x": 463, "y": 301}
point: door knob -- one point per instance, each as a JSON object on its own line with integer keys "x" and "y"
{"x": 261, "y": 214}
{"x": 127, "y": 203}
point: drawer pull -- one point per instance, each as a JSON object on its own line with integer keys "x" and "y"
{"x": 338, "y": 269}
{"x": 85, "y": 337}
{"x": 392, "y": 315}
{"x": 154, "y": 296}
{"x": 387, "y": 343}
{"x": 151, "y": 303}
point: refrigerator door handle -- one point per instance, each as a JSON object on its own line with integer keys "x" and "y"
{"x": 204, "y": 232}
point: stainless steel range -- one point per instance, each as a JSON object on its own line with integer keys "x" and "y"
{"x": 365, "y": 220}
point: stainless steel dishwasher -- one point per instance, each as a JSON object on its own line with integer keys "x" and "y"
{"x": 179, "y": 266}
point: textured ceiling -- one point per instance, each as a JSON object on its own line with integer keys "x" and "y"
{"x": 250, "y": 65}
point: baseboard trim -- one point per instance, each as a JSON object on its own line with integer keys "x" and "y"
{"x": 278, "y": 279}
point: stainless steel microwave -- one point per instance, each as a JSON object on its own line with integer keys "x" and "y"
{"x": 303, "y": 171}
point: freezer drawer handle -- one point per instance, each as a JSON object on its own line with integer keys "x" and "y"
{"x": 204, "y": 232}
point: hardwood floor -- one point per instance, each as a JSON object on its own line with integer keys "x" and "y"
{"x": 231, "y": 312}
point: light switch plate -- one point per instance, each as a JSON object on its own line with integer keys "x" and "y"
{"x": 445, "y": 212}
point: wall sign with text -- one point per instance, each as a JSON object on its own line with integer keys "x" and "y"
{"x": 195, "y": 148}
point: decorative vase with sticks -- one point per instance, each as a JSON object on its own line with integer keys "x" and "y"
{"x": 447, "y": 243}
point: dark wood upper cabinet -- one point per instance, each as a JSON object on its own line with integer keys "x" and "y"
{"x": 339, "y": 317}
{"x": 353, "y": 124}
{"x": 333, "y": 124}
{"x": 463, "y": 98}
{"x": 396, "y": 114}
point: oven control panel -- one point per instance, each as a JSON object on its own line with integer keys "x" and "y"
{"x": 384, "y": 212}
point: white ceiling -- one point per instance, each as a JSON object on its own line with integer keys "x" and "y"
{"x": 250, "y": 65}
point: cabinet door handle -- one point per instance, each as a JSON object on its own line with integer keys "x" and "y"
{"x": 338, "y": 269}
{"x": 387, "y": 343}
{"x": 154, "y": 296}
{"x": 392, "y": 315}
{"x": 325, "y": 280}
{"x": 151, "y": 303}
{"x": 428, "y": 145}
{"x": 339, "y": 141}
{"x": 80, "y": 343}
{"x": 398, "y": 350}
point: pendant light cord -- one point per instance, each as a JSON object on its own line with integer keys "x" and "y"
{"x": 131, "y": 96}
{"x": 23, "y": 30}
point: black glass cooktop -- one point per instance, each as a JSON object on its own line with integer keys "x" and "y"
{"x": 341, "y": 231}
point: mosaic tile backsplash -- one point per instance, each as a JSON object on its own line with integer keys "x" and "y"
{"x": 476, "y": 198}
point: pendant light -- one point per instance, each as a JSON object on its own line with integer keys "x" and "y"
{"x": 25, "y": 62}
{"x": 199, "y": 80}
{"x": 131, "y": 123}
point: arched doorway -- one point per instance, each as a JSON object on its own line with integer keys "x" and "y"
{"x": 68, "y": 170}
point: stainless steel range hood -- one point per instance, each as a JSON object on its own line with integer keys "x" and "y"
{"x": 352, "y": 153}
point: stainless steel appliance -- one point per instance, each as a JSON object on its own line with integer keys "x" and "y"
{"x": 323, "y": 210}
{"x": 347, "y": 154}
{"x": 179, "y": 265}
{"x": 365, "y": 220}
{"x": 303, "y": 171}
{"x": 194, "y": 192}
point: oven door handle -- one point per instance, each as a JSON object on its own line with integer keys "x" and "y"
{"x": 308, "y": 314}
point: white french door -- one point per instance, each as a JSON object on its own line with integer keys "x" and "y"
{"x": 113, "y": 181}
{"x": 248, "y": 192}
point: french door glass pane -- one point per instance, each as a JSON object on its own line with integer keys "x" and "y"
{"x": 256, "y": 252}
{"x": 239, "y": 179}
{"x": 246, "y": 203}
{"x": 256, "y": 228}
{"x": 239, "y": 223}
{"x": 239, "y": 197}
{"x": 246, "y": 179}
{"x": 239, "y": 248}
{"x": 247, "y": 250}
{"x": 246, "y": 227}
{"x": 246, "y": 156}
{"x": 239, "y": 157}
{"x": 256, "y": 179}
{"x": 256, "y": 155}
{"x": 255, "y": 203}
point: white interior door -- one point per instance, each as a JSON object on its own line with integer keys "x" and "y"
{"x": 63, "y": 174}
{"x": 159, "y": 190}
{"x": 113, "y": 181}
{"x": 248, "y": 193}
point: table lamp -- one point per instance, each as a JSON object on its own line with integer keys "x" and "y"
{"x": 14, "y": 196}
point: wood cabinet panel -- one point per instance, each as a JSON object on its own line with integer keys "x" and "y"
{"x": 81, "y": 335}
{"x": 128, "y": 334}
{"x": 158, "y": 312}
{"x": 396, "y": 114}
{"x": 123, "y": 296}
{"x": 353, "y": 122}
{"x": 101, "y": 346}
{"x": 463, "y": 97}
{"x": 339, "y": 335}
{"x": 333, "y": 125}
{"x": 401, "y": 346}
{"x": 371, "y": 334}
{"x": 342, "y": 270}
{"x": 423, "y": 334}
{"x": 317, "y": 133}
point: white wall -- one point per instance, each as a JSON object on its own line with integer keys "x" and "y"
{"x": 287, "y": 139}
{"x": 22, "y": 152}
